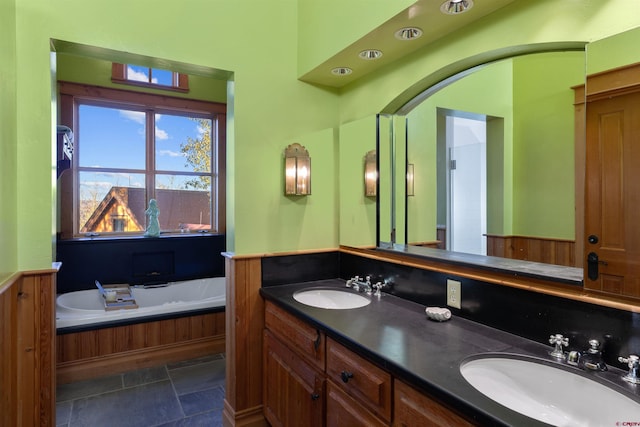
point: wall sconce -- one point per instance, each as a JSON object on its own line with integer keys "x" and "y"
{"x": 297, "y": 171}
{"x": 410, "y": 180}
{"x": 370, "y": 173}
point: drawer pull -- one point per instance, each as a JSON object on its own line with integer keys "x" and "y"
{"x": 315, "y": 396}
{"x": 316, "y": 343}
{"x": 346, "y": 376}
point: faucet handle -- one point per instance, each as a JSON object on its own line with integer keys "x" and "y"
{"x": 352, "y": 281}
{"x": 377, "y": 287}
{"x": 633, "y": 362}
{"x": 558, "y": 341}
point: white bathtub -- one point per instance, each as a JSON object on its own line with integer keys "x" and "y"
{"x": 87, "y": 307}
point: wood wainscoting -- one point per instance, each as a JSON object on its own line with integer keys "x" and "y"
{"x": 245, "y": 324}
{"x": 95, "y": 353}
{"x": 536, "y": 249}
{"x": 27, "y": 349}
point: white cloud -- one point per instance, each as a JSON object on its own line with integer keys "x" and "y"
{"x": 137, "y": 75}
{"x": 135, "y": 116}
{"x": 161, "y": 134}
{"x": 170, "y": 153}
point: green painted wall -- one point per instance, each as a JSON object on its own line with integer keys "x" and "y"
{"x": 257, "y": 42}
{"x": 543, "y": 134}
{"x": 613, "y": 52}
{"x": 8, "y": 141}
{"x": 271, "y": 109}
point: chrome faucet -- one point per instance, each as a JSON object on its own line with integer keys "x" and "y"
{"x": 558, "y": 341}
{"x": 356, "y": 283}
{"x": 591, "y": 359}
{"x": 633, "y": 362}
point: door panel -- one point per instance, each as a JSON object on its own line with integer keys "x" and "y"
{"x": 613, "y": 195}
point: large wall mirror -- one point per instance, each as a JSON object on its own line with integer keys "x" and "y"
{"x": 483, "y": 162}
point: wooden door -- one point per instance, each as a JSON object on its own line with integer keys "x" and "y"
{"x": 293, "y": 391}
{"x": 612, "y": 199}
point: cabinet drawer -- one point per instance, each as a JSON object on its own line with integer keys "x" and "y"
{"x": 344, "y": 411}
{"x": 413, "y": 408}
{"x": 361, "y": 379}
{"x": 298, "y": 335}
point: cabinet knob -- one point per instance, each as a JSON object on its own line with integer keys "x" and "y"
{"x": 315, "y": 396}
{"x": 346, "y": 376}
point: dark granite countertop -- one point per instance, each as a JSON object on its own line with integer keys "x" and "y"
{"x": 397, "y": 335}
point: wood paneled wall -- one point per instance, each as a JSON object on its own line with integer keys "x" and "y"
{"x": 245, "y": 323}
{"x": 89, "y": 354}
{"x": 27, "y": 349}
{"x": 536, "y": 249}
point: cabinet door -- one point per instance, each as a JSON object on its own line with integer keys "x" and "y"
{"x": 299, "y": 335}
{"x": 413, "y": 408}
{"x": 344, "y": 411}
{"x": 293, "y": 391}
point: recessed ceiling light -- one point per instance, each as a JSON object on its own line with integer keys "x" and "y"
{"x": 454, "y": 7}
{"x": 370, "y": 54}
{"x": 408, "y": 33}
{"x": 341, "y": 71}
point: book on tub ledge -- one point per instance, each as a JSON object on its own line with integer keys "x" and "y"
{"x": 123, "y": 297}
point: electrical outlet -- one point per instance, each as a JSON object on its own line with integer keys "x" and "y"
{"x": 454, "y": 293}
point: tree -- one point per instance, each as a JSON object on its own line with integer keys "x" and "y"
{"x": 197, "y": 153}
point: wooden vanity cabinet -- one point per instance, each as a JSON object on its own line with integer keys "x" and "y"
{"x": 412, "y": 408}
{"x": 350, "y": 391}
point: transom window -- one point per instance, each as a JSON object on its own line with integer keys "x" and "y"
{"x": 127, "y": 153}
{"x": 138, "y": 75}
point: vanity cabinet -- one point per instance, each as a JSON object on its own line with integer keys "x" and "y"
{"x": 312, "y": 380}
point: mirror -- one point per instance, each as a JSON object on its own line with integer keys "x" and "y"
{"x": 509, "y": 122}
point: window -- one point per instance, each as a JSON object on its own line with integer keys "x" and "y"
{"x": 137, "y": 75}
{"x": 133, "y": 147}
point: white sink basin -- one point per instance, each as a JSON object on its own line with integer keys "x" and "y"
{"x": 548, "y": 393}
{"x": 333, "y": 299}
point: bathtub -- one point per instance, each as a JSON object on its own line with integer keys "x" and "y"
{"x": 84, "y": 308}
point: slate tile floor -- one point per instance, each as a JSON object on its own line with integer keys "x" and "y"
{"x": 182, "y": 394}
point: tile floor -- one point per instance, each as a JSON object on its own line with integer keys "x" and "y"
{"x": 182, "y": 394}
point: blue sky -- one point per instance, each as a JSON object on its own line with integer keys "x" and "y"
{"x": 115, "y": 138}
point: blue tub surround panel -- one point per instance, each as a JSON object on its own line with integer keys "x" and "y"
{"x": 136, "y": 260}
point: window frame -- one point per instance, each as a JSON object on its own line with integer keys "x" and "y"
{"x": 72, "y": 95}
{"x": 119, "y": 76}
